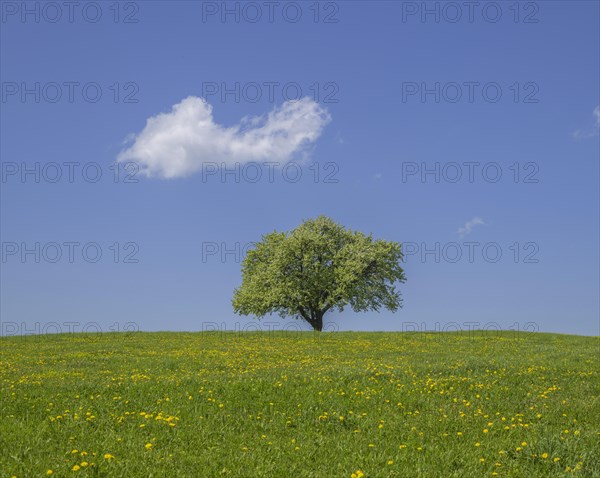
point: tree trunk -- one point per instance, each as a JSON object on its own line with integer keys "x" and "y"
{"x": 318, "y": 321}
{"x": 314, "y": 318}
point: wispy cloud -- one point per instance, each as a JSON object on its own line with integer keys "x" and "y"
{"x": 589, "y": 132}
{"x": 468, "y": 227}
{"x": 177, "y": 143}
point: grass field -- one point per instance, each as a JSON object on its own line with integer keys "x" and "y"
{"x": 300, "y": 405}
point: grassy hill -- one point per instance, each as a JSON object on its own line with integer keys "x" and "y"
{"x": 300, "y": 405}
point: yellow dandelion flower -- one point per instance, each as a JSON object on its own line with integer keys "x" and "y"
{"x": 108, "y": 456}
{"x": 49, "y": 472}
{"x": 390, "y": 462}
{"x": 148, "y": 446}
{"x": 544, "y": 455}
{"x": 84, "y": 464}
{"x": 556, "y": 460}
{"x": 76, "y": 468}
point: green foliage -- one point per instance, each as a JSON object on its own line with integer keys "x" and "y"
{"x": 317, "y": 267}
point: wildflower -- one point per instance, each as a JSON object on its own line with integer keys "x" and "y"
{"x": 556, "y": 460}
{"x": 108, "y": 456}
{"x": 148, "y": 446}
{"x": 544, "y": 455}
{"x": 481, "y": 460}
{"x": 524, "y": 443}
{"x": 390, "y": 462}
{"x": 84, "y": 464}
{"x": 76, "y": 468}
{"x": 49, "y": 472}
{"x": 477, "y": 444}
{"x": 485, "y": 430}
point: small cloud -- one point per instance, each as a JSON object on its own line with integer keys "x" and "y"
{"x": 178, "y": 143}
{"x": 468, "y": 227}
{"x": 590, "y": 132}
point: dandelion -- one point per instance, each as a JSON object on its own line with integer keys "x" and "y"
{"x": 477, "y": 444}
{"x": 485, "y": 430}
{"x": 148, "y": 446}
{"x": 556, "y": 460}
{"x": 544, "y": 455}
{"x": 108, "y": 456}
{"x": 523, "y": 443}
{"x": 390, "y": 462}
{"x": 481, "y": 460}
{"x": 84, "y": 464}
{"x": 76, "y": 468}
{"x": 49, "y": 472}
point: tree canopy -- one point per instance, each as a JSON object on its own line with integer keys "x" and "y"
{"x": 317, "y": 267}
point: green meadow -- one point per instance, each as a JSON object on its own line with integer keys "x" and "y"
{"x": 342, "y": 404}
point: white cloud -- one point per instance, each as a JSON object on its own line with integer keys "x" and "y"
{"x": 177, "y": 143}
{"x": 469, "y": 225}
{"x": 592, "y": 132}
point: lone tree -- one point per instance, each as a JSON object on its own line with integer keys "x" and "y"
{"x": 319, "y": 266}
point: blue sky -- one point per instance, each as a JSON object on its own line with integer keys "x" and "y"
{"x": 394, "y": 107}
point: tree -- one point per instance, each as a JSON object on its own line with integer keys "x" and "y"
{"x": 317, "y": 267}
